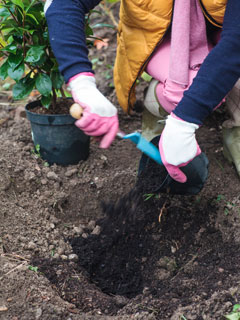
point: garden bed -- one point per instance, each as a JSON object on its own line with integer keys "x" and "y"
{"x": 80, "y": 242}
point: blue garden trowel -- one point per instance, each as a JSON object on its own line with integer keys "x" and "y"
{"x": 196, "y": 170}
{"x": 143, "y": 145}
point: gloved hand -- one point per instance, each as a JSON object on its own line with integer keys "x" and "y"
{"x": 178, "y": 146}
{"x": 99, "y": 114}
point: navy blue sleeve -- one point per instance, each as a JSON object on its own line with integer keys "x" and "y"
{"x": 218, "y": 73}
{"x": 66, "y": 25}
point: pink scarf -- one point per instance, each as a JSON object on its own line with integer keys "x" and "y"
{"x": 189, "y": 45}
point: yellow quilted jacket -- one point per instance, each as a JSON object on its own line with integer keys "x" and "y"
{"x": 142, "y": 26}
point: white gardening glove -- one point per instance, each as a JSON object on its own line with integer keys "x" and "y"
{"x": 99, "y": 114}
{"x": 178, "y": 146}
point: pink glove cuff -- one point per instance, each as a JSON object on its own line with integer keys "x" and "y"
{"x": 176, "y": 117}
{"x": 89, "y": 74}
{"x": 174, "y": 171}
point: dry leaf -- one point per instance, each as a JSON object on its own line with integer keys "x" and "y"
{"x": 99, "y": 44}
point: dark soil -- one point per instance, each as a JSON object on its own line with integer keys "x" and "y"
{"x": 93, "y": 240}
{"x": 62, "y": 107}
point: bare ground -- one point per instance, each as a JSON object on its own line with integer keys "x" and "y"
{"x": 63, "y": 257}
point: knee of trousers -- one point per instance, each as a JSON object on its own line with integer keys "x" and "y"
{"x": 151, "y": 102}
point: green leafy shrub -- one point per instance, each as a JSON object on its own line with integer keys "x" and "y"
{"x": 26, "y": 53}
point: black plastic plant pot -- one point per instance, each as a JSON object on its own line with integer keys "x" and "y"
{"x": 59, "y": 140}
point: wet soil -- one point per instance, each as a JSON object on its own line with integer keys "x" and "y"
{"x": 93, "y": 241}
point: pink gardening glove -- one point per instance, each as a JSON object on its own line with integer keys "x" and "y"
{"x": 99, "y": 114}
{"x": 178, "y": 146}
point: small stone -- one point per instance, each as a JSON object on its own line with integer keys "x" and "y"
{"x": 146, "y": 290}
{"x": 91, "y": 224}
{"x": 3, "y": 308}
{"x": 56, "y": 256}
{"x": 120, "y": 301}
{"x": 73, "y": 182}
{"x": 60, "y": 251}
{"x": 78, "y": 230}
{"x": 70, "y": 172}
{"x": 102, "y": 157}
{"x": 30, "y": 176}
{"x": 52, "y": 226}
{"x": 27, "y": 148}
{"x": 64, "y": 257}
{"x": 85, "y": 235}
{"x": 54, "y": 220}
{"x": 38, "y": 313}
{"x": 96, "y": 230}
{"x": 162, "y": 274}
{"x": 52, "y": 176}
{"x": 221, "y": 270}
{"x": 51, "y": 247}
{"x": 73, "y": 257}
{"x": 173, "y": 249}
{"x": 31, "y": 245}
{"x": 56, "y": 185}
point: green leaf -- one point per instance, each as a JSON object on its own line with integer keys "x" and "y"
{"x": 57, "y": 79}
{"x": 4, "y": 70}
{"x": 146, "y": 77}
{"x": 236, "y": 307}
{"x": 9, "y": 23}
{"x": 4, "y": 12}
{"x": 46, "y": 101}
{"x": 88, "y": 30}
{"x": 15, "y": 59}
{"x": 32, "y": 268}
{"x": 102, "y": 25}
{"x": 18, "y": 3}
{"x": 44, "y": 84}
{"x": 24, "y": 30}
{"x": 234, "y": 316}
{"x": 34, "y": 54}
{"x": 32, "y": 17}
{"x": 10, "y": 48}
{"x": 17, "y": 39}
{"x": 16, "y": 73}
{"x": 6, "y": 86}
{"x": 23, "y": 88}
{"x": 30, "y": 5}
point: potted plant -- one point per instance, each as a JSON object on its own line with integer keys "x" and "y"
{"x": 27, "y": 58}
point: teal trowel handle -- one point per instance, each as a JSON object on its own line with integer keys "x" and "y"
{"x": 142, "y": 144}
{"x": 145, "y": 146}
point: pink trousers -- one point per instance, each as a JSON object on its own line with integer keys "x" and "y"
{"x": 168, "y": 92}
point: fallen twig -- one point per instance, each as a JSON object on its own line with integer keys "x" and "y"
{"x": 14, "y": 256}
{"x": 15, "y": 268}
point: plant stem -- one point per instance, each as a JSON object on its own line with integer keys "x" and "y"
{"x": 14, "y": 18}
{"x": 62, "y": 93}
{"x": 54, "y": 99}
{"x": 108, "y": 11}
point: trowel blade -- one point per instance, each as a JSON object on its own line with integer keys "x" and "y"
{"x": 145, "y": 146}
